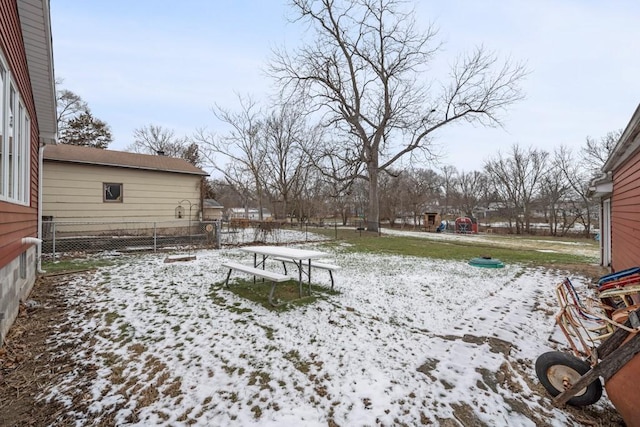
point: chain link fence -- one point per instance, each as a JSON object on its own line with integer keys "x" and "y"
{"x": 74, "y": 239}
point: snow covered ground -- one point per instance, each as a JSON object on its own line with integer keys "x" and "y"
{"x": 406, "y": 341}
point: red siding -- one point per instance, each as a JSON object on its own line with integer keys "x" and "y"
{"x": 18, "y": 221}
{"x": 625, "y": 215}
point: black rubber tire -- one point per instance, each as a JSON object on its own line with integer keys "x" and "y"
{"x": 551, "y": 367}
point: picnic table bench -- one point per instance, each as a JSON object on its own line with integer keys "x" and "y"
{"x": 275, "y": 278}
{"x": 315, "y": 264}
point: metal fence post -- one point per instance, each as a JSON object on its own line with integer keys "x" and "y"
{"x": 53, "y": 244}
{"x": 218, "y": 233}
{"x": 155, "y": 237}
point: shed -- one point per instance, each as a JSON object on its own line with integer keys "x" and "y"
{"x": 212, "y": 210}
{"x": 83, "y": 184}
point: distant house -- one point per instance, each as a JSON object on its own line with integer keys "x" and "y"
{"x": 618, "y": 191}
{"x": 212, "y": 210}
{"x": 250, "y": 214}
{"x": 83, "y": 184}
{"x": 27, "y": 121}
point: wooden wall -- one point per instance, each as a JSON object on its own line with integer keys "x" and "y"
{"x": 17, "y": 221}
{"x": 625, "y": 215}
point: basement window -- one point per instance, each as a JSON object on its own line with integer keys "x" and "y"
{"x": 112, "y": 192}
{"x": 23, "y": 265}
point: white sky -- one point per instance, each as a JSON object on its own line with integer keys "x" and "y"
{"x": 167, "y": 63}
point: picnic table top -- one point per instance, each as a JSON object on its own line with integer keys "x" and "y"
{"x": 285, "y": 252}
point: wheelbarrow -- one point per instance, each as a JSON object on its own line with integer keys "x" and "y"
{"x": 602, "y": 347}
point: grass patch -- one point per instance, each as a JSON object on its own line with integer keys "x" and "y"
{"x": 259, "y": 378}
{"x": 451, "y": 250}
{"x": 294, "y": 357}
{"x": 111, "y": 317}
{"x": 286, "y": 292}
{"x": 75, "y": 265}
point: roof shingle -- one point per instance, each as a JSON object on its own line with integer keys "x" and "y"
{"x": 122, "y": 159}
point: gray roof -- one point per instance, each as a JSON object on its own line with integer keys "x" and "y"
{"x": 35, "y": 22}
{"x": 122, "y": 159}
{"x": 212, "y": 203}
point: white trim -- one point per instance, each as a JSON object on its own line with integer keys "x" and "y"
{"x": 605, "y": 233}
{"x": 15, "y": 164}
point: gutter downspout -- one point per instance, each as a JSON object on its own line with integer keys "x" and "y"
{"x": 40, "y": 237}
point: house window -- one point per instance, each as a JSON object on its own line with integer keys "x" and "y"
{"x": 23, "y": 265}
{"x": 15, "y": 141}
{"x": 112, "y": 192}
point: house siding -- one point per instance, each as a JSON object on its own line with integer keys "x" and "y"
{"x": 74, "y": 192}
{"x": 212, "y": 214}
{"x": 625, "y": 215}
{"x": 17, "y": 221}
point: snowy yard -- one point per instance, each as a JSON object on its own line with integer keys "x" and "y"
{"x": 405, "y": 341}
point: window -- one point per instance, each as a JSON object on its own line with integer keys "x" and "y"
{"x": 112, "y": 192}
{"x": 2, "y": 131}
{"x": 23, "y": 265}
{"x": 15, "y": 141}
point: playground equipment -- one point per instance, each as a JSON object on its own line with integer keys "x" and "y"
{"x": 465, "y": 225}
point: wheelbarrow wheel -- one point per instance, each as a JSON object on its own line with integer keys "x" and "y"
{"x": 558, "y": 371}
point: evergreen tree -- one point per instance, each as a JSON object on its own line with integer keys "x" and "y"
{"x": 86, "y": 130}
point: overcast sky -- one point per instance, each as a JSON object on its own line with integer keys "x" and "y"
{"x": 167, "y": 63}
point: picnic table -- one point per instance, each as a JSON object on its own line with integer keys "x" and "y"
{"x": 304, "y": 260}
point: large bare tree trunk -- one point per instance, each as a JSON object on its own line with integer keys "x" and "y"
{"x": 366, "y": 74}
{"x": 373, "y": 207}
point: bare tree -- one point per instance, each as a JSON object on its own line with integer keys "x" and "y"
{"x": 449, "y": 174}
{"x": 579, "y": 179}
{"x": 76, "y": 124}
{"x": 470, "y": 190}
{"x": 596, "y": 151}
{"x": 365, "y": 75}
{"x": 241, "y": 153}
{"x": 390, "y": 187}
{"x": 421, "y": 186}
{"x": 288, "y": 165}
{"x": 69, "y": 105}
{"x": 516, "y": 179}
{"x": 155, "y": 139}
{"x": 555, "y": 192}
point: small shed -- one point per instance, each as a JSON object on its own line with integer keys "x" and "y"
{"x": 431, "y": 221}
{"x": 84, "y": 184}
{"x": 211, "y": 210}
